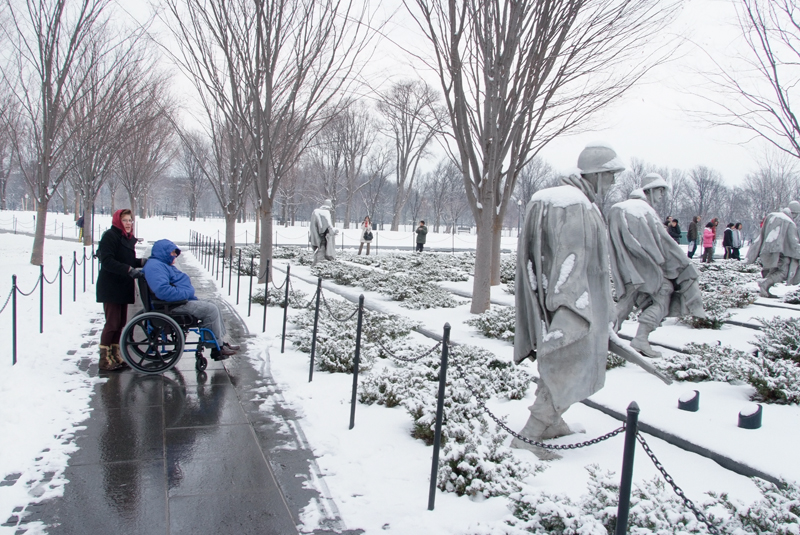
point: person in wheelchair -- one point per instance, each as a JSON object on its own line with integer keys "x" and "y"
{"x": 168, "y": 283}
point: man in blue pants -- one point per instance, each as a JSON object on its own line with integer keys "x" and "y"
{"x": 168, "y": 283}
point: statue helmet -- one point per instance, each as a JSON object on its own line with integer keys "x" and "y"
{"x": 653, "y": 181}
{"x": 327, "y": 203}
{"x": 599, "y": 158}
{"x": 794, "y": 206}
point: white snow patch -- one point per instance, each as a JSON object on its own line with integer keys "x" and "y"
{"x": 547, "y": 336}
{"x": 750, "y": 409}
{"x": 544, "y": 282}
{"x": 687, "y": 396}
{"x": 773, "y": 234}
{"x": 561, "y": 196}
{"x": 583, "y": 301}
{"x": 532, "y": 276}
{"x": 566, "y": 269}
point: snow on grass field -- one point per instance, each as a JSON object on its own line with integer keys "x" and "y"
{"x": 377, "y": 475}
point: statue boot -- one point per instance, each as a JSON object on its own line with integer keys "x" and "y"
{"x": 763, "y": 287}
{"x": 641, "y": 342}
{"x": 556, "y": 430}
{"x": 534, "y": 430}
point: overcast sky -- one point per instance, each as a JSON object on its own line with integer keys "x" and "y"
{"x": 650, "y": 123}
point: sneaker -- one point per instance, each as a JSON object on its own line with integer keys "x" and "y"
{"x": 221, "y": 353}
{"x": 231, "y": 346}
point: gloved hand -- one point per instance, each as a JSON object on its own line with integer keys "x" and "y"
{"x": 135, "y": 273}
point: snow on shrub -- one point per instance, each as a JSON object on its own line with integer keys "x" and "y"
{"x": 276, "y": 297}
{"x": 779, "y": 338}
{"x": 776, "y": 513}
{"x": 723, "y": 286}
{"x": 775, "y": 381}
{"x": 498, "y": 322}
{"x": 792, "y": 297}
{"x": 336, "y": 339}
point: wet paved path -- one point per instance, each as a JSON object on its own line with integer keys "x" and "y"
{"x": 187, "y": 452}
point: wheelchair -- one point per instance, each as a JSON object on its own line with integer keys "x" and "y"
{"x": 154, "y": 339}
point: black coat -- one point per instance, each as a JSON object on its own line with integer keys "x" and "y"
{"x": 117, "y": 255}
{"x": 674, "y": 232}
{"x": 727, "y": 238}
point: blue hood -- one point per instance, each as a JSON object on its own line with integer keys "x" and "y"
{"x": 162, "y": 250}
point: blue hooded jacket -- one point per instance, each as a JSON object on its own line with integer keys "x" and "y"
{"x": 167, "y": 282}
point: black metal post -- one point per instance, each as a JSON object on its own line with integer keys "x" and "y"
{"x": 91, "y": 259}
{"x": 216, "y": 257}
{"x": 60, "y": 282}
{"x": 437, "y": 434}
{"x": 230, "y": 269}
{"x": 285, "y": 308}
{"x": 239, "y": 277}
{"x": 250, "y": 293}
{"x": 627, "y": 469}
{"x": 222, "y": 278}
{"x": 13, "y": 319}
{"x": 74, "y": 276}
{"x": 41, "y": 299}
{"x": 356, "y": 358}
{"x": 266, "y": 295}
{"x": 84, "y": 269}
{"x": 314, "y": 332}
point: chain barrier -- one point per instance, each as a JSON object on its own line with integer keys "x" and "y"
{"x": 8, "y": 299}
{"x": 38, "y": 280}
{"x": 67, "y": 271}
{"x": 272, "y": 282}
{"x": 55, "y": 277}
{"x": 81, "y": 261}
{"x": 330, "y": 312}
{"x": 502, "y": 425}
{"x": 407, "y": 359}
{"x": 675, "y": 488}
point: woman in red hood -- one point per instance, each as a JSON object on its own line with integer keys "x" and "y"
{"x": 115, "y": 284}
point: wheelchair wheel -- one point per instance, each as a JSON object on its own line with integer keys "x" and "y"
{"x": 200, "y": 364}
{"x": 152, "y": 343}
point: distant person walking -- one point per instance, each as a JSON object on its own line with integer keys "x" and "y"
{"x": 674, "y": 230}
{"x": 422, "y": 231}
{"x": 366, "y": 235}
{"x": 708, "y": 242}
{"x": 727, "y": 241}
{"x": 691, "y": 235}
{"x": 736, "y": 241}
{"x": 715, "y": 222}
{"x": 79, "y": 224}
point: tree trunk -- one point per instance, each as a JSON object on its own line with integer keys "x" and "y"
{"x": 37, "y": 253}
{"x": 265, "y": 249}
{"x": 497, "y": 230}
{"x": 258, "y": 229}
{"x": 132, "y": 200}
{"x": 88, "y": 224}
{"x": 481, "y": 287}
{"x": 230, "y": 232}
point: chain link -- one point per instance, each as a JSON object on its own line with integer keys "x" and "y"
{"x": 38, "y": 280}
{"x": 504, "y": 427}
{"x": 54, "y": 277}
{"x": 8, "y": 299}
{"x": 330, "y": 312}
{"x": 407, "y": 359}
{"x": 278, "y": 287}
{"x": 67, "y": 271}
{"x": 678, "y": 491}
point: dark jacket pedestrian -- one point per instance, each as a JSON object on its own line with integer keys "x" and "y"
{"x": 115, "y": 284}
{"x": 727, "y": 241}
{"x": 422, "y": 231}
{"x": 691, "y": 236}
{"x": 674, "y": 230}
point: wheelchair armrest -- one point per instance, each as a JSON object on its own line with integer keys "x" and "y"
{"x": 157, "y": 303}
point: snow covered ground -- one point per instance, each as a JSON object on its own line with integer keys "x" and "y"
{"x": 376, "y": 473}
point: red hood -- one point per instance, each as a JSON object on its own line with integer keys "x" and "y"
{"x": 116, "y": 221}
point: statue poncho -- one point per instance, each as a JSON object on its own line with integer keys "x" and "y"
{"x": 778, "y": 240}
{"x": 563, "y": 294}
{"x": 321, "y": 233}
{"x": 643, "y": 255}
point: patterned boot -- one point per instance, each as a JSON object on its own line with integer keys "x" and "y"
{"x": 116, "y": 356}
{"x": 107, "y": 363}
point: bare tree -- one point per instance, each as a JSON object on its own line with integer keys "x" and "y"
{"x": 102, "y": 117}
{"x": 281, "y": 67}
{"x": 707, "y": 191}
{"x": 48, "y": 39}
{"x": 195, "y": 158}
{"x": 515, "y": 75}
{"x": 773, "y": 185}
{"x": 374, "y": 193}
{"x": 534, "y": 175}
{"x": 149, "y": 146}
{"x": 413, "y": 119}
{"x": 9, "y": 124}
{"x": 753, "y": 91}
